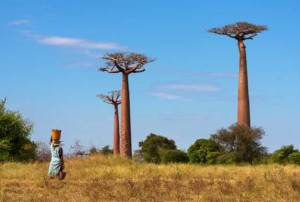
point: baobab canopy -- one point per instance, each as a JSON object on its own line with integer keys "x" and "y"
{"x": 113, "y": 97}
{"x": 239, "y": 30}
{"x": 125, "y": 62}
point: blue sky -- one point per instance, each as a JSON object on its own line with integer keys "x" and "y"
{"x": 50, "y": 54}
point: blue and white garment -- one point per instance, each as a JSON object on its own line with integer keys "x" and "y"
{"x": 56, "y": 163}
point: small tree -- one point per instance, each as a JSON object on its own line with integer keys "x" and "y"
{"x": 241, "y": 31}
{"x": 15, "y": 143}
{"x": 126, "y": 64}
{"x": 241, "y": 142}
{"x": 114, "y": 99}
{"x": 202, "y": 151}
{"x": 153, "y": 145}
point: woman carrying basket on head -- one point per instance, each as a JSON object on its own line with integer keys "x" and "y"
{"x": 57, "y": 161}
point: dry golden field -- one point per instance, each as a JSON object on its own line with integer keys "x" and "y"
{"x": 99, "y": 178}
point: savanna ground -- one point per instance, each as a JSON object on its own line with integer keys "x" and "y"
{"x": 100, "y": 178}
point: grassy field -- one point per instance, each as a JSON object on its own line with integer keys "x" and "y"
{"x": 99, "y": 178}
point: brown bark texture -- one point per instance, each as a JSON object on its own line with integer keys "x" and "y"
{"x": 125, "y": 149}
{"x": 116, "y": 132}
{"x": 243, "y": 114}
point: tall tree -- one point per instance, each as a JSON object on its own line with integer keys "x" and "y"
{"x": 241, "y": 31}
{"x": 242, "y": 142}
{"x": 125, "y": 63}
{"x": 114, "y": 98}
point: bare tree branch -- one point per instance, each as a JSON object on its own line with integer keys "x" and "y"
{"x": 250, "y": 37}
{"x": 113, "y": 97}
{"x": 139, "y": 71}
{"x": 109, "y": 71}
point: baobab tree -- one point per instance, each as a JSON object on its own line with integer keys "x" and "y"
{"x": 113, "y": 98}
{"x": 125, "y": 63}
{"x": 241, "y": 31}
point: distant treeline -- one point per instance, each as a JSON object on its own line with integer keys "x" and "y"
{"x": 237, "y": 144}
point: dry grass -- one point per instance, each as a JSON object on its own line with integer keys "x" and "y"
{"x": 99, "y": 178}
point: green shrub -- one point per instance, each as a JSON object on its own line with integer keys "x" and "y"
{"x": 15, "y": 143}
{"x": 199, "y": 151}
{"x": 153, "y": 145}
{"x": 226, "y": 158}
{"x": 212, "y": 157}
{"x": 173, "y": 156}
{"x": 281, "y": 155}
{"x": 294, "y": 158}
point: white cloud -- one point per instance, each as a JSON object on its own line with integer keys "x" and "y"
{"x": 77, "y": 43}
{"x": 191, "y": 87}
{"x": 20, "y": 22}
{"x": 167, "y": 96}
{"x": 72, "y": 42}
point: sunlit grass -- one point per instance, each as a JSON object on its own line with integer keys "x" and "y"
{"x": 100, "y": 178}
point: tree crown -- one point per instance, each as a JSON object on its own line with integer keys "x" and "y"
{"x": 239, "y": 30}
{"x": 113, "y": 97}
{"x": 125, "y": 62}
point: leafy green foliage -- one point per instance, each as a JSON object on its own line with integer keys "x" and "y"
{"x": 212, "y": 157}
{"x": 153, "y": 145}
{"x": 282, "y": 155}
{"x": 240, "y": 142}
{"x": 294, "y": 158}
{"x": 15, "y": 143}
{"x": 104, "y": 150}
{"x": 203, "y": 151}
{"x": 174, "y": 156}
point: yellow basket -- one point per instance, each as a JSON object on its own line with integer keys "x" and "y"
{"x": 56, "y": 134}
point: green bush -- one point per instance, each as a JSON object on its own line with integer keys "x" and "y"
{"x": 282, "y": 155}
{"x": 153, "y": 145}
{"x": 173, "y": 156}
{"x": 15, "y": 143}
{"x": 294, "y": 158}
{"x": 225, "y": 158}
{"x": 212, "y": 157}
{"x": 202, "y": 151}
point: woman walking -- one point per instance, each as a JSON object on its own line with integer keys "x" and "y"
{"x": 57, "y": 161}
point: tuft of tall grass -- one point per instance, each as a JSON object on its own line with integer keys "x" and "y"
{"x": 106, "y": 178}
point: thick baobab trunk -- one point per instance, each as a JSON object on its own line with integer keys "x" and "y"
{"x": 116, "y": 132}
{"x": 243, "y": 94}
{"x": 125, "y": 149}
